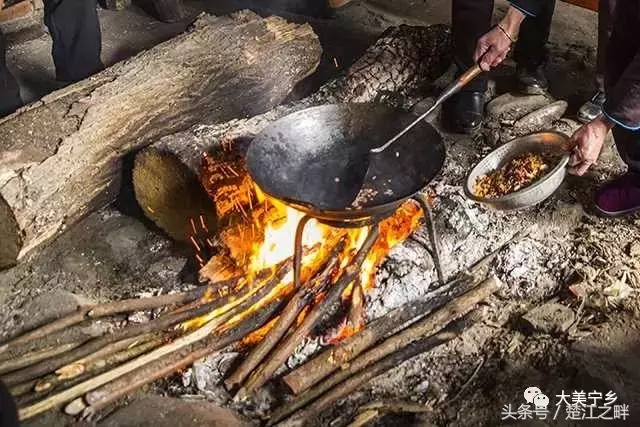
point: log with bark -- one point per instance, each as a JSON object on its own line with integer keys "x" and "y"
{"x": 403, "y": 60}
{"x": 61, "y": 156}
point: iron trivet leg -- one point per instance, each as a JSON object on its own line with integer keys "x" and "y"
{"x": 433, "y": 237}
{"x": 297, "y": 251}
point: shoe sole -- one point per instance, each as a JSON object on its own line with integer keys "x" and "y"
{"x": 608, "y": 214}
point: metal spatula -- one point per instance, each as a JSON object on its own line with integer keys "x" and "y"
{"x": 451, "y": 90}
{"x": 364, "y": 169}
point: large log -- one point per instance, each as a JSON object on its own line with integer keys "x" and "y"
{"x": 404, "y": 59}
{"x": 61, "y": 155}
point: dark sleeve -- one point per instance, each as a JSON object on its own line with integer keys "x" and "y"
{"x": 623, "y": 100}
{"x": 528, "y": 7}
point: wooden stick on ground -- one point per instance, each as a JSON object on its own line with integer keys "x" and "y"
{"x": 95, "y": 345}
{"x": 103, "y": 310}
{"x": 429, "y": 325}
{"x": 35, "y": 357}
{"x": 330, "y": 360}
{"x": 82, "y": 388}
{"x": 287, "y": 347}
{"x": 103, "y": 396}
{"x": 378, "y": 409}
{"x": 52, "y": 381}
{"x": 78, "y": 366}
{"x": 356, "y": 379}
{"x": 288, "y": 316}
{"x": 248, "y": 293}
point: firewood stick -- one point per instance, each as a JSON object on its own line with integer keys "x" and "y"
{"x": 103, "y": 396}
{"x": 379, "y": 409}
{"x": 427, "y": 326}
{"x": 287, "y": 347}
{"x": 330, "y": 360}
{"x": 288, "y": 316}
{"x": 252, "y": 292}
{"x": 82, "y": 388}
{"x": 35, "y": 357}
{"x": 51, "y": 381}
{"x": 365, "y": 417}
{"x": 45, "y": 330}
{"x": 356, "y": 311}
{"x": 77, "y": 367}
{"x": 22, "y": 389}
{"x": 92, "y": 346}
{"x": 398, "y": 406}
{"x": 140, "y": 304}
{"x": 102, "y": 310}
{"x": 351, "y": 379}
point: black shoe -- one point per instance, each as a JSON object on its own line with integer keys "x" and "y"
{"x": 532, "y": 80}
{"x": 592, "y": 108}
{"x": 464, "y": 112}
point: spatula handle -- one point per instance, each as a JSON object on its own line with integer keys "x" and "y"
{"x": 449, "y": 91}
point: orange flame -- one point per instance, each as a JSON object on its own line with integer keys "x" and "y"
{"x": 276, "y": 225}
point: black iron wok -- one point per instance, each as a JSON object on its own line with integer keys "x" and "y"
{"x": 306, "y": 160}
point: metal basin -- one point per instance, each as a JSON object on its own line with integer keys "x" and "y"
{"x": 543, "y": 142}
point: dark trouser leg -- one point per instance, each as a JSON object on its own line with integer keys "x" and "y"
{"x": 9, "y": 90}
{"x": 605, "y": 25}
{"x": 75, "y": 31}
{"x": 530, "y": 51}
{"x": 628, "y": 145}
{"x": 471, "y": 19}
{"x": 8, "y": 409}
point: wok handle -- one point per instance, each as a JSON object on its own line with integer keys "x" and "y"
{"x": 450, "y": 90}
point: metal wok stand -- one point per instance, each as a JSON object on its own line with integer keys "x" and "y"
{"x": 433, "y": 249}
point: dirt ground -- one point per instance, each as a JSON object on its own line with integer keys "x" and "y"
{"x": 114, "y": 254}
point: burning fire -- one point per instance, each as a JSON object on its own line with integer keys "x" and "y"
{"x": 271, "y": 241}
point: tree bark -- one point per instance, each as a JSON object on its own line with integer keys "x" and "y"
{"x": 403, "y": 60}
{"x": 61, "y": 156}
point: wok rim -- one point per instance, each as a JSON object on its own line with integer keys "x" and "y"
{"x": 349, "y": 214}
{"x": 562, "y": 164}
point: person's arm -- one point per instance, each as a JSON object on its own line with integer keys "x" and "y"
{"x": 587, "y": 144}
{"x": 623, "y": 102}
{"x": 493, "y": 47}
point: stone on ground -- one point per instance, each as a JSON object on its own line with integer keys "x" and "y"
{"x": 549, "y": 318}
{"x": 540, "y": 119}
{"x": 513, "y": 107}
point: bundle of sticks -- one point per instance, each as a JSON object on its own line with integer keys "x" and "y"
{"x": 86, "y": 376}
{"x": 93, "y": 373}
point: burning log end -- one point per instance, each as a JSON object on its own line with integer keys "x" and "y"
{"x": 170, "y": 194}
